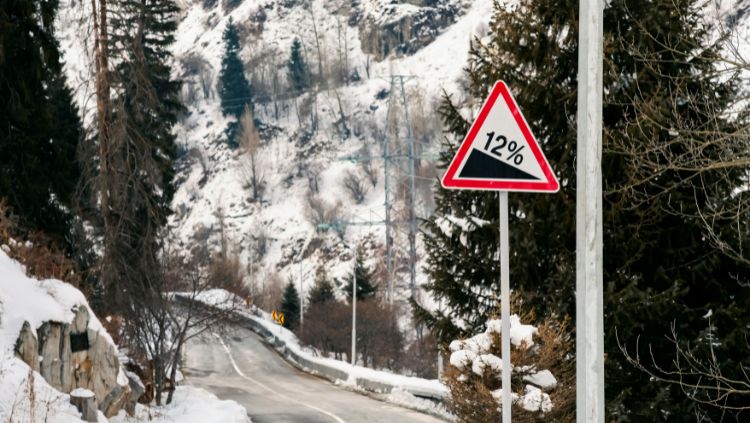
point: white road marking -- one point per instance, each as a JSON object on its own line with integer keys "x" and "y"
{"x": 239, "y": 372}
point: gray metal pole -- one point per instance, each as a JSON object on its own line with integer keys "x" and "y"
{"x": 412, "y": 199}
{"x": 589, "y": 285}
{"x": 505, "y": 304}
{"x": 354, "y": 313}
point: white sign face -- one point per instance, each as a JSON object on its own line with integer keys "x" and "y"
{"x": 500, "y": 152}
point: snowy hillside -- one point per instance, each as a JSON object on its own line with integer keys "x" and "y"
{"x": 211, "y": 174}
{"x": 26, "y": 396}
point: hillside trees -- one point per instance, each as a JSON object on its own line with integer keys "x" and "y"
{"x": 290, "y": 306}
{"x": 322, "y": 292}
{"x": 137, "y": 107}
{"x": 366, "y": 287}
{"x": 235, "y": 91}
{"x": 298, "y": 71}
{"x": 39, "y": 125}
{"x": 672, "y": 158}
{"x": 250, "y": 143}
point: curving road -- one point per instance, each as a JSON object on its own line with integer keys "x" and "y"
{"x": 240, "y": 367}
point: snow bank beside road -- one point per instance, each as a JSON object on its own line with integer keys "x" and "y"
{"x": 401, "y": 390}
{"x": 190, "y": 405}
{"x": 26, "y": 397}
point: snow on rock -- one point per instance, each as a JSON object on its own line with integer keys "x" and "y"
{"x": 26, "y": 397}
{"x": 479, "y": 343}
{"x": 543, "y": 379}
{"x": 24, "y": 299}
{"x": 519, "y": 333}
{"x": 189, "y": 405}
{"x": 463, "y": 358}
{"x": 82, "y": 393}
{"x": 487, "y": 362}
{"x": 475, "y": 358}
{"x": 37, "y": 322}
{"x": 534, "y": 399}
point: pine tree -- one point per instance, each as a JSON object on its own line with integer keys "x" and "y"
{"x": 323, "y": 291}
{"x": 290, "y": 306}
{"x": 236, "y": 93}
{"x": 657, "y": 267}
{"x": 366, "y": 289}
{"x": 39, "y": 124}
{"x": 298, "y": 72}
{"x": 149, "y": 100}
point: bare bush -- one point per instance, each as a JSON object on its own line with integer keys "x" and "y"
{"x": 702, "y": 377}
{"x": 328, "y": 328}
{"x": 321, "y": 212}
{"x": 42, "y": 257}
{"x": 356, "y": 187}
{"x": 472, "y": 397}
{"x": 268, "y": 291}
{"x": 250, "y": 143}
{"x": 379, "y": 340}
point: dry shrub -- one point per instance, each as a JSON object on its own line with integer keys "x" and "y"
{"x": 320, "y": 211}
{"x": 267, "y": 291}
{"x": 471, "y": 394}
{"x": 356, "y": 187}
{"x": 328, "y": 327}
{"x": 41, "y": 256}
{"x": 380, "y": 343}
{"x": 225, "y": 272}
{"x": 420, "y": 358}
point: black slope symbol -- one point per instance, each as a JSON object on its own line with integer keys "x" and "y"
{"x": 482, "y": 165}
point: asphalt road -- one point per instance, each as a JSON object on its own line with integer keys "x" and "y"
{"x": 240, "y": 367}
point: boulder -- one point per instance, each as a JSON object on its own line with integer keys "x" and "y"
{"x": 72, "y": 356}
{"x": 403, "y": 28}
{"x": 27, "y": 348}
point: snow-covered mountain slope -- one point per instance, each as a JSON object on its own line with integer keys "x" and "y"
{"x": 212, "y": 177}
{"x": 371, "y": 39}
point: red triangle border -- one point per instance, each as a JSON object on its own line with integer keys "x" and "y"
{"x": 449, "y": 180}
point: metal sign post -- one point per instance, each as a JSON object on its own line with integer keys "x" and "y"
{"x": 354, "y": 313}
{"x": 501, "y": 154}
{"x": 505, "y": 303}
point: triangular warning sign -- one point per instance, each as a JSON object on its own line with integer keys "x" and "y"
{"x": 500, "y": 153}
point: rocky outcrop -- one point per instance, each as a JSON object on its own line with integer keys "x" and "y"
{"x": 71, "y": 355}
{"x": 403, "y": 27}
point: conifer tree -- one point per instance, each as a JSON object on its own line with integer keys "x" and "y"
{"x": 290, "y": 306}
{"x": 657, "y": 268}
{"x": 236, "y": 93}
{"x": 322, "y": 292}
{"x": 39, "y": 124}
{"x": 298, "y": 72}
{"x": 366, "y": 288}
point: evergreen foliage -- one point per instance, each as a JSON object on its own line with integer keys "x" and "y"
{"x": 297, "y": 70}
{"x": 366, "y": 288}
{"x": 658, "y": 270}
{"x": 322, "y": 292}
{"x": 149, "y": 100}
{"x": 235, "y": 91}
{"x": 39, "y": 124}
{"x": 290, "y": 306}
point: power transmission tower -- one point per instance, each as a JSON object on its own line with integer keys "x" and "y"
{"x": 397, "y": 82}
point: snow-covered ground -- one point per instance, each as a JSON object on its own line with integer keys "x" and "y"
{"x": 282, "y": 215}
{"x": 404, "y": 389}
{"x": 25, "y": 397}
{"x": 211, "y": 176}
{"x": 190, "y": 405}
